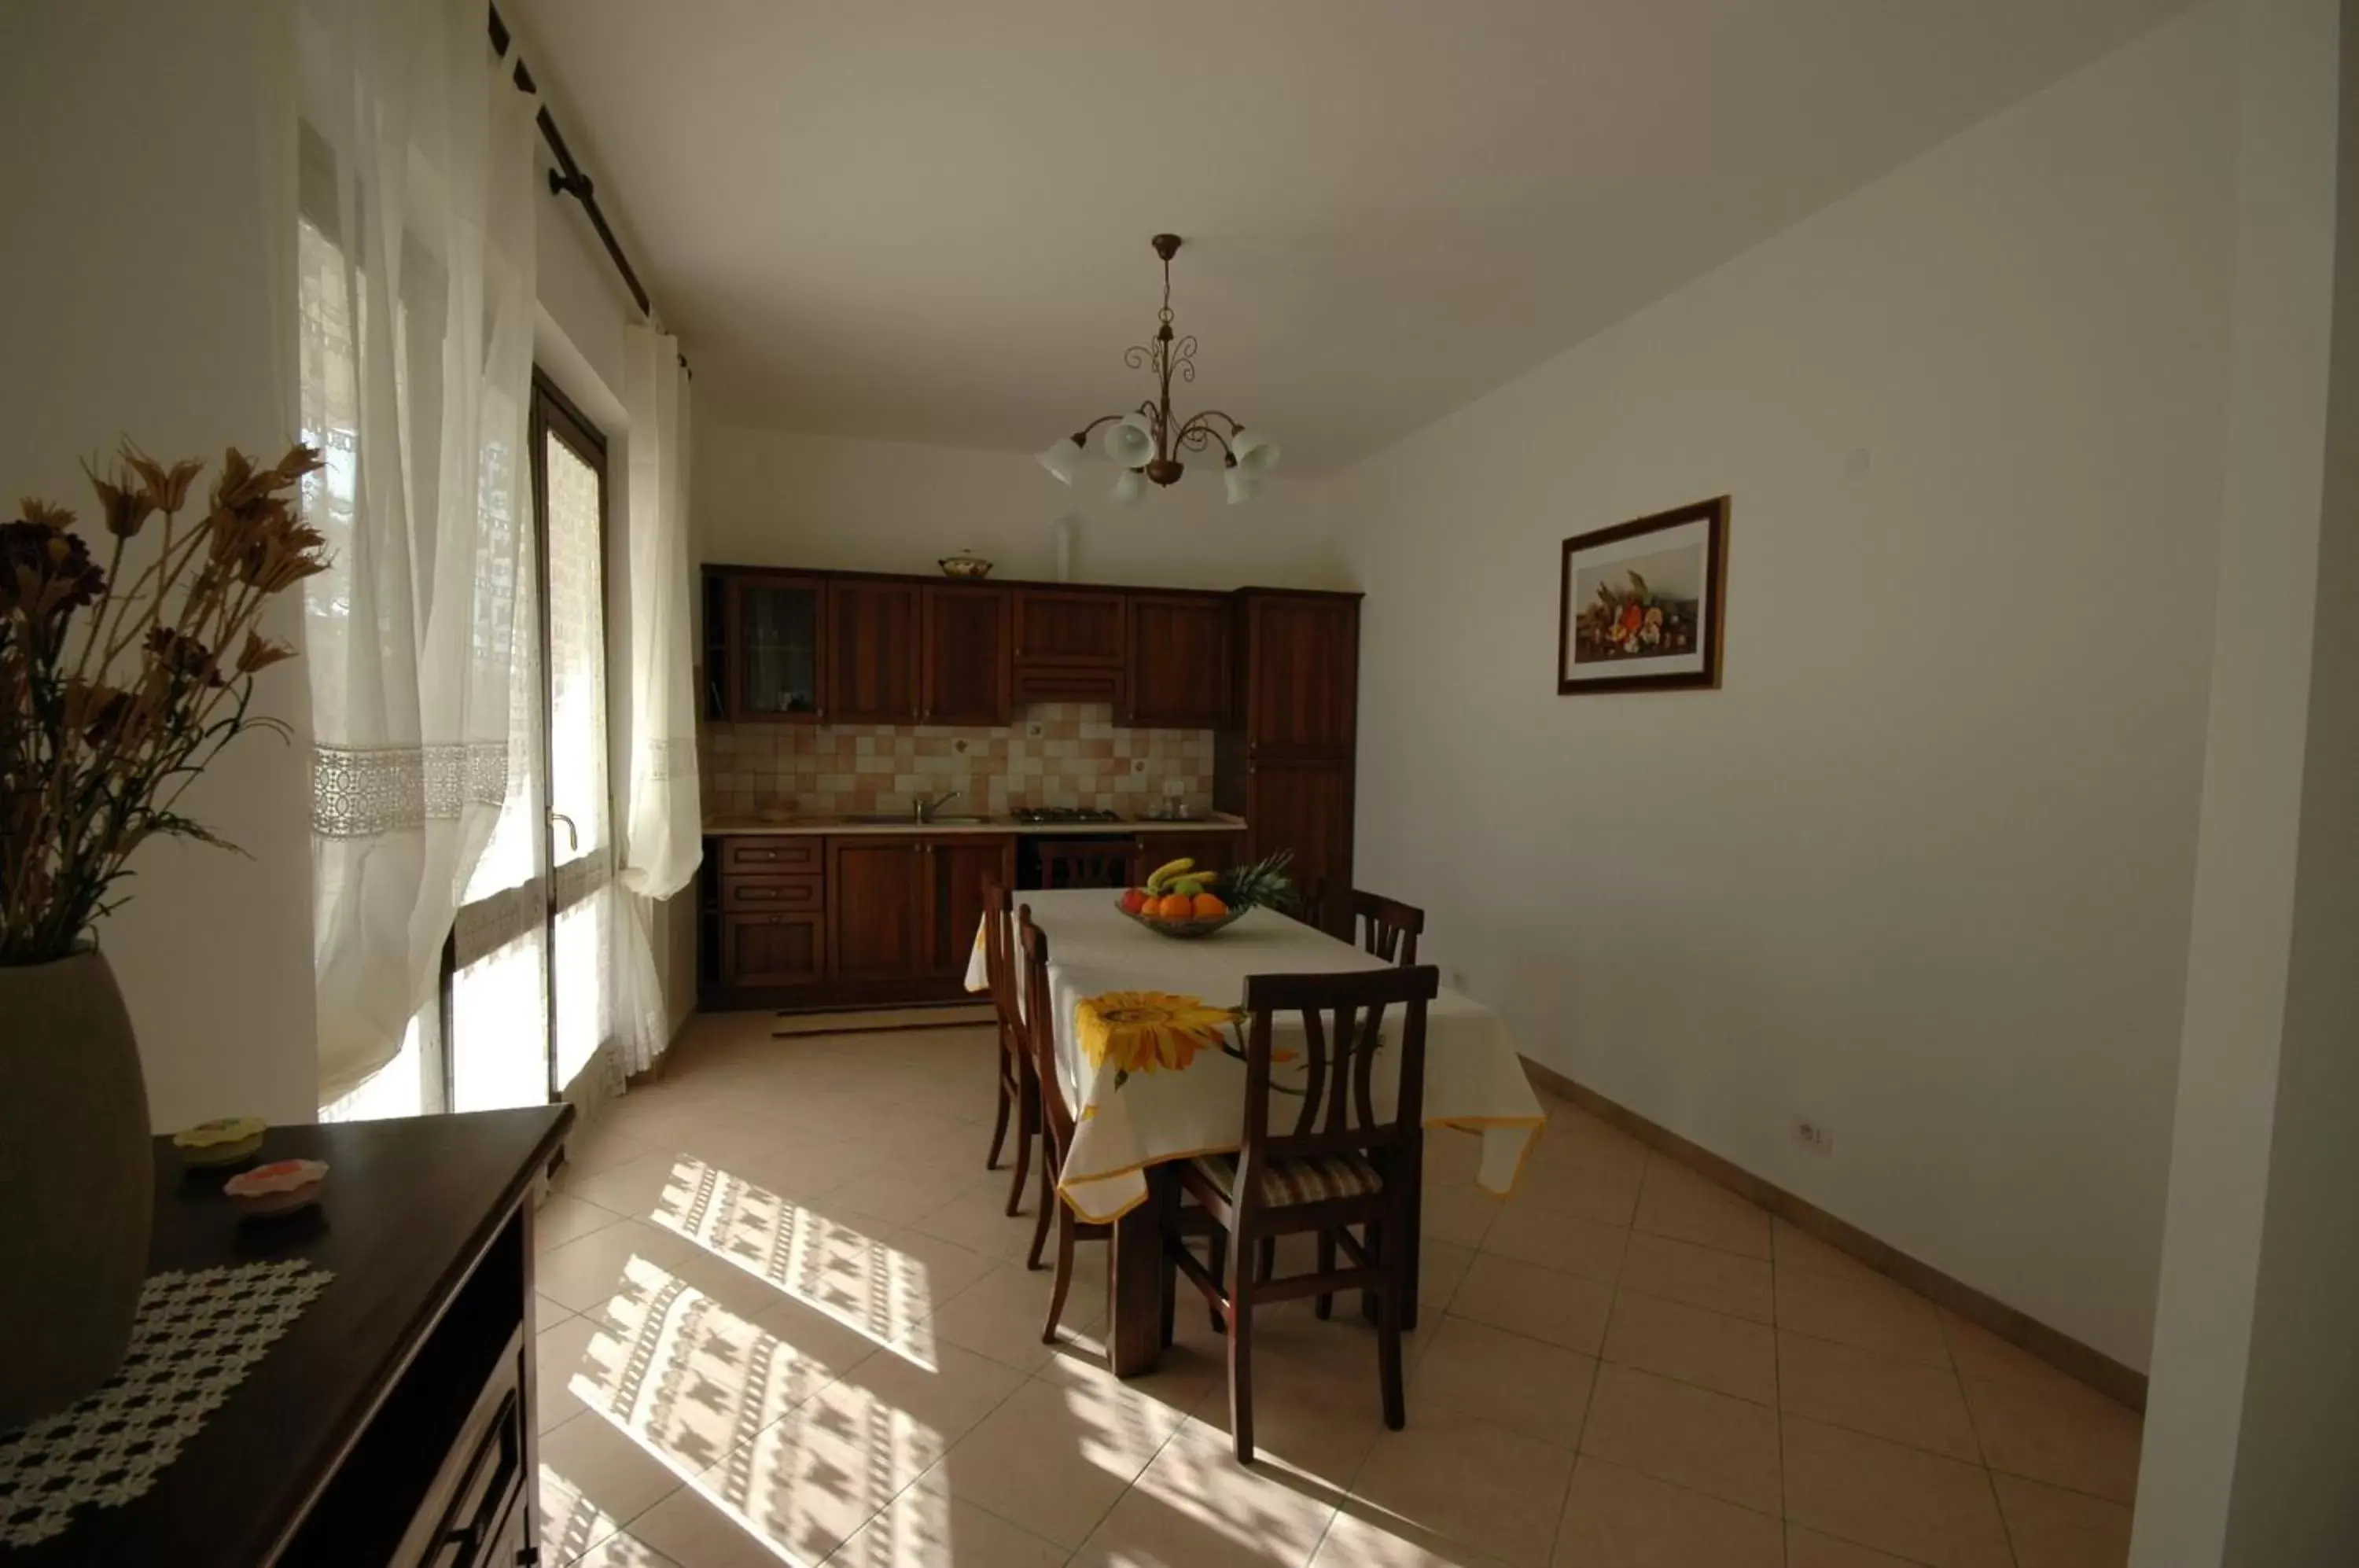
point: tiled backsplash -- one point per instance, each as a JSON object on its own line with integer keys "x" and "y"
{"x": 1056, "y": 753}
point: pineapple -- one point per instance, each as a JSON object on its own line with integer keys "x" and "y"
{"x": 1263, "y": 882}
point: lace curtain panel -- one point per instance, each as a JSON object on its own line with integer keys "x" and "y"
{"x": 663, "y": 828}
{"x": 417, "y": 302}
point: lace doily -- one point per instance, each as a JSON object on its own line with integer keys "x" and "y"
{"x": 196, "y": 1338}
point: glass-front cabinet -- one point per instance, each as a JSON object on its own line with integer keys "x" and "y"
{"x": 762, "y": 647}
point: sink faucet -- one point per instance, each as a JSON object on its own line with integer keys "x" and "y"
{"x": 926, "y": 809}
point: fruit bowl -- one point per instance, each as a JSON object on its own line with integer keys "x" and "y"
{"x": 1187, "y": 928}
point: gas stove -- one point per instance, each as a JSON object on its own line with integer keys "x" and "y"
{"x": 1034, "y": 816}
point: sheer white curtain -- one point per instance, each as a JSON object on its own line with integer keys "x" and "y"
{"x": 663, "y": 828}
{"x": 417, "y": 287}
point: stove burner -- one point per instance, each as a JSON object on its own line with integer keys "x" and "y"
{"x": 1037, "y": 814}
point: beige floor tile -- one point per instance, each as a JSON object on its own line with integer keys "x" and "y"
{"x": 1729, "y": 1356}
{"x": 1563, "y": 1242}
{"x": 1798, "y": 1248}
{"x": 1808, "y": 1548}
{"x": 1699, "y": 1276}
{"x": 562, "y": 1217}
{"x": 1440, "y": 1268}
{"x": 1054, "y": 1458}
{"x": 583, "y": 1274}
{"x": 1195, "y": 1504}
{"x": 939, "y": 1270}
{"x": 977, "y": 1220}
{"x": 1618, "y": 1517}
{"x": 1343, "y": 1346}
{"x": 558, "y": 1353}
{"x": 1364, "y": 1537}
{"x": 1001, "y": 1314}
{"x": 2060, "y": 1432}
{"x": 2052, "y": 1528}
{"x": 1868, "y": 1310}
{"x": 1982, "y": 1354}
{"x": 1884, "y": 1396}
{"x": 593, "y": 1480}
{"x": 901, "y": 1197}
{"x": 1916, "y": 1505}
{"x": 1314, "y": 1424}
{"x": 1460, "y": 1213}
{"x": 1677, "y": 1202}
{"x": 696, "y": 1530}
{"x": 1585, "y": 1168}
{"x": 1540, "y": 1389}
{"x": 1691, "y": 1437}
{"x": 546, "y": 1314}
{"x": 1471, "y": 1480}
{"x": 924, "y": 1528}
{"x": 624, "y": 1550}
{"x": 600, "y": 1148}
{"x": 1539, "y": 1304}
{"x": 1451, "y": 1156}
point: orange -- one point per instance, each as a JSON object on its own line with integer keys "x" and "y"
{"x": 1209, "y": 907}
{"x": 1175, "y": 906}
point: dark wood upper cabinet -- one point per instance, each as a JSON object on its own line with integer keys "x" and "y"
{"x": 1073, "y": 627}
{"x": 879, "y": 908}
{"x": 765, "y": 639}
{"x": 1301, "y": 675}
{"x": 1178, "y": 660}
{"x": 874, "y": 643}
{"x": 968, "y": 675}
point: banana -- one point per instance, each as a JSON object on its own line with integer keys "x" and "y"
{"x": 1166, "y": 872}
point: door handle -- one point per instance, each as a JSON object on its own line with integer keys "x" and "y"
{"x": 572, "y": 834}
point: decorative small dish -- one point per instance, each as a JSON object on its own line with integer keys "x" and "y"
{"x": 281, "y": 1187}
{"x": 226, "y": 1141}
{"x": 965, "y": 563}
{"x": 1195, "y": 926}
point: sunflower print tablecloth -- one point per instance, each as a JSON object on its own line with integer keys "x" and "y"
{"x": 1151, "y": 1067}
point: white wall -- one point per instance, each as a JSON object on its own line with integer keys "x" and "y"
{"x": 147, "y": 190}
{"x": 1921, "y": 869}
{"x": 770, "y": 497}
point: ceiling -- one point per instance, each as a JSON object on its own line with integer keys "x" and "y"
{"x": 928, "y": 221}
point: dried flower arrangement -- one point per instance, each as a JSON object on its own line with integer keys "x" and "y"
{"x": 100, "y": 734}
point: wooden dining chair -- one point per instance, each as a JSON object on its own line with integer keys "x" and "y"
{"x": 1056, "y": 1124}
{"x": 1019, "y": 1092}
{"x": 1336, "y": 1167}
{"x": 1087, "y": 862}
{"x": 1388, "y": 928}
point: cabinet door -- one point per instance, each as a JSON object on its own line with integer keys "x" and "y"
{"x": 776, "y": 948}
{"x": 957, "y": 866}
{"x": 1302, "y": 688}
{"x": 1070, "y": 628}
{"x": 773, "y": 641}
{"x": 872, "y": 642}
{"x": 1178, "y": 661}
{"x": 1306, "y": 807}
{"x": 968, "y": 673}
{"x": 877, "y": 906}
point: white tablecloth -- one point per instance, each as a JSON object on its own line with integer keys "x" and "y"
{"x": 1129, "y": 1117}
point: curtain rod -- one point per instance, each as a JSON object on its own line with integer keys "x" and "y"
{"x": 567, "y": 178}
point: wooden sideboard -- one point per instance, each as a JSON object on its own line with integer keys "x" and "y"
{"x": 393, "y": 1424}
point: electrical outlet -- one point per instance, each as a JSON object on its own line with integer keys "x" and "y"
{"x": 1816, "y": 1137}
{"x": 960, "y": 746}
{"x": 1032, "y": 730}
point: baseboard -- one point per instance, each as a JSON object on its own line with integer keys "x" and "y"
{"x": 2059, "y": 1349}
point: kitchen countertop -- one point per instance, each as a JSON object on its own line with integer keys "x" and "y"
{"x": 834, "y": 827}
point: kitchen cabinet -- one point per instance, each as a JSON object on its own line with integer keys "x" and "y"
{"x": 1177, "y": 663}
{"x": 878, "y": 898}
{"x": 764, "y": 632}
{"x": 1301, "y": 666}
{"x": 873, "y": 641}
{"x": 967, "y": 665}
{"x": 1209, "y": 850}
{"x": 956, "y": 868}
{"x": 1306, "y": 807}
{"x": 774, "y": 948}
{"x": 1069, "y": 644}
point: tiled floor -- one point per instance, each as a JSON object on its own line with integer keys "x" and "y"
{"x": 785, "y": 1321}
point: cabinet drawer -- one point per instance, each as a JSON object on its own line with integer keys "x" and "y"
{"x": 1065, "y": 684}
{"x": 778, "y": 853}
{"x": 766, "y": 892}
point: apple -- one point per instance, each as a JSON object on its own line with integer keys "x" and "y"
{"x": 1134, "y": 901}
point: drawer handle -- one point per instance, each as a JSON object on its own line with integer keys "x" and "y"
{"x": 757, "y": 855}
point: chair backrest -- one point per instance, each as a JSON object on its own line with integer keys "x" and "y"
{"x": 999, "y": 954}
{"x": 1342, "y": 1021}
{"x": 1040, "y": 1033}
{"x": 1388, "y": 928}
{"x": 1087, "y": 862}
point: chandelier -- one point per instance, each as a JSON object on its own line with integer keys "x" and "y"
{"x": 1148, "y": 441}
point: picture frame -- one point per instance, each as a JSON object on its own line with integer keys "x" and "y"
{"x": 1641, "y": 605}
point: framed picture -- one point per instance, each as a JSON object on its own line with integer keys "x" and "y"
{"x": 1642, "y": 602}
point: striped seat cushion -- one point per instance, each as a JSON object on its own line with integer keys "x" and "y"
{"x": 1308, "y": 1180}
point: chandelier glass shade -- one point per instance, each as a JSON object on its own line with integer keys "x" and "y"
{"x": 1145, "y": 443}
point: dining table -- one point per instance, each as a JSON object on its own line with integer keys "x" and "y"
{"x": 1150, "y": 1061}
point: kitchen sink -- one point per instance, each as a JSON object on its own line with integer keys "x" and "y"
{"x": 904, "y": 820}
